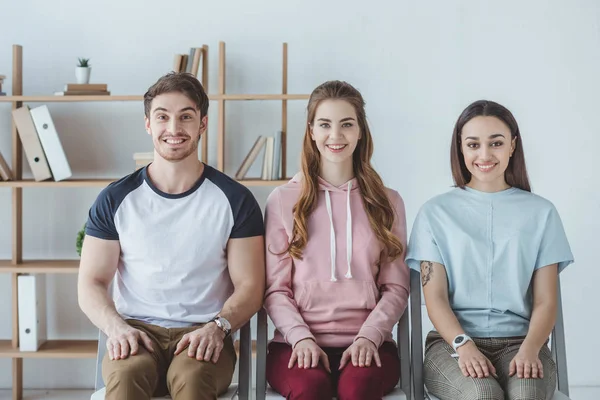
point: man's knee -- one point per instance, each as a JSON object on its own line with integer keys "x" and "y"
{"x": 138, "y": 372}
{"x": 198, "y": 379}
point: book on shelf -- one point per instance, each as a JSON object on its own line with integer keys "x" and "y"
{"x": 271, "y": 162}
{"x": 5, "y": 172}
{"x": 84, "y": 89}
{"x": 142, "y": 159}
{"x": 31, "y": 299}
{"x": 188, "y": 62}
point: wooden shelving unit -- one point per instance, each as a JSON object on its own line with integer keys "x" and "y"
{"x": 74, "y": 349}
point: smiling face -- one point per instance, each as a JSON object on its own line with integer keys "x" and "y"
{"x": 487, "y": 146}
{"x": 175, "y": 125}
{"x": 335, "y": 131}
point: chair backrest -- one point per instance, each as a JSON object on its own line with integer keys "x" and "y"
{"x": 261, "y": 354}
{"x": 558, "y": 348}
{"x": 244, "y": 362}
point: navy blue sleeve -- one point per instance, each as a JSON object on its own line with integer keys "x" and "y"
{"x": 101, "y": 218}
{"x": 247, "y": 215}
{"x": 248, "y": 218}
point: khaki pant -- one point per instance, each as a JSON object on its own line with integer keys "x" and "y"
{"x": 147, "y": 374}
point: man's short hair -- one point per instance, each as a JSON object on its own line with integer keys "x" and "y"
{"x": 182, "y": 82}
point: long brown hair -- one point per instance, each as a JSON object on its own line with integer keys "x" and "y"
{"x": 378, "y": 206}
{"x": 516, "y": 172}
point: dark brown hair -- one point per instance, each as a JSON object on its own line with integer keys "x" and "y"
{"x": 379, "y": 209}
{"x": 182, "y": 82}
{"x": 516, "y": 172}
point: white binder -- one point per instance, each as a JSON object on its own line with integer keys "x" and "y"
{"x": 32, "y": 311}
{"x": 51, "y": 143}
{"x": 31, "y": 144}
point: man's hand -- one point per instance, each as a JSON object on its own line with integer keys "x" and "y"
{"x": 308, "y": 354}
{"x": 361, "y": 353}
{"x": 124, "y": 341}
{"x": 204, "y": 344}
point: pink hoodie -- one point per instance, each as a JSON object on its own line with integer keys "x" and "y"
{"x": 340, "y": 290}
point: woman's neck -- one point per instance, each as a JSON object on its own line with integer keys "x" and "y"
{"x": 488, "y": 187}
{"x": 337, "y": 173}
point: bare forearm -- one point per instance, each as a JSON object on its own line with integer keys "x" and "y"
{"x": 443, "y": 319}
{"x": 542, "y": 321}
{"x": 242, "y": 305}
{"x": 99, "y": 308}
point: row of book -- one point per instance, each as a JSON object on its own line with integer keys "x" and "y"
{"x": 189, "y": 62}
{"x": 84, "y": 89}
{"x": 271, "y": 165}
{"x": 41, "y": 144}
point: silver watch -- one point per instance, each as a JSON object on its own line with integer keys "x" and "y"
{"x": 460, "y": 340}
{"x": 223, "y": 324}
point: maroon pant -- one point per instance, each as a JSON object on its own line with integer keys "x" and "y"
{"x": 351, "y": 383}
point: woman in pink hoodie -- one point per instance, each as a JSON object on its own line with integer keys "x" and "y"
{"x": 336, "y": 278}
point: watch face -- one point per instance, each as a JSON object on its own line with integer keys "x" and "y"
{"x": 225, "y": 323}
{"x": 459, "y": 340}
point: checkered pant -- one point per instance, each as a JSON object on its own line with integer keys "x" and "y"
{"x": 444, "y": 379}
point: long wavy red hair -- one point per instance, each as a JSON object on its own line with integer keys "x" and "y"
{"x": 376, "y": 202}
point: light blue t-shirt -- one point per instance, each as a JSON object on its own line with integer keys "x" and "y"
{"x": 490, "y": 245}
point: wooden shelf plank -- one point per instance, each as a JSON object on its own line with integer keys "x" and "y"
{"x": 53, "y": 349}
{"x": 260, "y": 182}
{"x": 102, "y": 98}
{"x": 30, "y": 183}
{"x": 66, "y": 183}
{"x": 259, "y": 96}
{"x": 41, "y": 266}
{"x": 67, "y": 99}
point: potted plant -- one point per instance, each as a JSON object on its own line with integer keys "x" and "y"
{"x": 82, "y": 72}
{"x": 79, "y": 240}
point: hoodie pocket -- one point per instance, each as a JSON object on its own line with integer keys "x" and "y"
{"x": 330, "y": 301}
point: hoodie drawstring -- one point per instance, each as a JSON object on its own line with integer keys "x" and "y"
{"x": 348, "y": 235}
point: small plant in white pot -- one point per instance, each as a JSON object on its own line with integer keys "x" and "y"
{"x": 82, "y": 72}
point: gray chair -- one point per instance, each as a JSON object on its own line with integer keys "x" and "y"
{"x": 240, "y": 391}
{"x": 264, "y": 392}
{"x": 420, "y": 393}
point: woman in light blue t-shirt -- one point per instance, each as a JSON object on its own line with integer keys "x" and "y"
{"x": 489, "y": 252}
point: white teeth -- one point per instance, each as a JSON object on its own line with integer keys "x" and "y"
{"x": 336, "y": 146}
{"x": 486, "y": 166}
{"x": 173, "y": 141}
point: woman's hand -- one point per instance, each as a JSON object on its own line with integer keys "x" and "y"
{"x": 473, "y": 363}
{"x": 526, "y": 364}
{"x": 361, "y": 352}
{"x": 308, "y": 354}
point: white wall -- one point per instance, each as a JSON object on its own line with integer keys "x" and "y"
{"x": 417, "y": 64}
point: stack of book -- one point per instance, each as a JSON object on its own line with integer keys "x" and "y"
{"x": 2, "y": 77}
{"x": 41, "y": 143}
{"x": 142, "y": 159}
{"x": 271, "y": 166}
{"x": 84, "y": 89}
{"x": 188, "y": 62}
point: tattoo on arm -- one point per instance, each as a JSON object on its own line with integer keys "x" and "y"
{"x": 426, "y": 272}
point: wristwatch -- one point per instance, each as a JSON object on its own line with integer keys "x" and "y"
{"x": 460, "y": 340}
{"x": 223, "y": 324}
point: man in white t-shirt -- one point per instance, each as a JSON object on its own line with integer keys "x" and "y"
{"x": 183, "y": 246}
